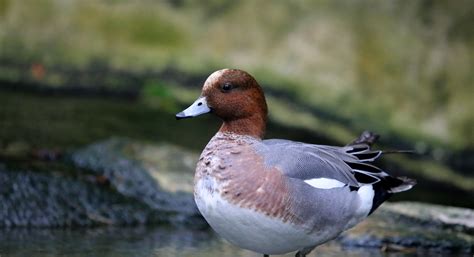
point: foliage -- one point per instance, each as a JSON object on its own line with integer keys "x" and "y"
{"x": 402, "y": 66}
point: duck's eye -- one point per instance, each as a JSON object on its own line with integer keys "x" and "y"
{"x": 227, "y": 87}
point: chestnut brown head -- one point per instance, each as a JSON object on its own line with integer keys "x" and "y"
{"x": 235, "y": 97}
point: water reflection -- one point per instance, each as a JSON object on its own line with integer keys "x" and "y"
{"x": 143, "y": 241}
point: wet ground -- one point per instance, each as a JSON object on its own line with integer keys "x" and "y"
{"x": 163, "y": 242}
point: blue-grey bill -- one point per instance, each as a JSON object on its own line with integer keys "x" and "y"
{"x": 197, "y": 108}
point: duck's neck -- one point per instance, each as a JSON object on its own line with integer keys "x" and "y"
{"x": 254, "y": 126}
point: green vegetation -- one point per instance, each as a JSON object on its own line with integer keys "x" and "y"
{"x": 58, "y": 121}
{"x": 392, "y": 66}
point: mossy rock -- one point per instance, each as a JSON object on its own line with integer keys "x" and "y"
{"x": 118, "y": 162}
{"x": 410, "y": 226}
{"x": 100, "y": 184}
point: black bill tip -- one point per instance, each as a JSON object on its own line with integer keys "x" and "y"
{"x": 181, "y": 115}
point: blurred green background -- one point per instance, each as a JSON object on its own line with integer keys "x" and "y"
{"x": 76, "y": 71}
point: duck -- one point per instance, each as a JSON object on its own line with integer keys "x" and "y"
{"x": 277, "y": 196}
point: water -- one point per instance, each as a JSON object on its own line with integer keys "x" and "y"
{"x": 141, "y": 242}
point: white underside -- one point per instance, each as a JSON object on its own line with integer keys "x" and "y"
{"x": 247, "y": 228}
{"x": 255, "y": 231}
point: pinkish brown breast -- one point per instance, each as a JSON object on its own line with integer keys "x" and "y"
{"x": 242, "y": 177}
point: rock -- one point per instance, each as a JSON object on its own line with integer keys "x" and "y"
{"x": 116, "y": 161}
{"x": 106, "y": 185}
{"x": 30, "y": 199}
{"x": 410, "y": 226}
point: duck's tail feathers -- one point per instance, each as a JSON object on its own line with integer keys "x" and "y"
{"x": 365, "y": 173}
{"x": 404, "y": 184}
{"x": 398, "y": 151}
{"x": 388, "y": 186}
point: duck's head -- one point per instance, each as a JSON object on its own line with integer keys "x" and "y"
{"x": 235, "y": 97}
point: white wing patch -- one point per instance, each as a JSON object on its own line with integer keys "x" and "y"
{"x": 324, "y": 183}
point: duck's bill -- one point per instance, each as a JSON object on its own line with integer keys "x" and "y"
{"x": 197, "y": 108}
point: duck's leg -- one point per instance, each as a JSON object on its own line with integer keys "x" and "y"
{"x": 303, "y": 252}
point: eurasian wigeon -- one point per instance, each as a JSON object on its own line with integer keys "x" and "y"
{"x": 277, "y": 196}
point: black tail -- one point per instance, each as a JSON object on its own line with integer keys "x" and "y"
{"x": 387, "y": 186}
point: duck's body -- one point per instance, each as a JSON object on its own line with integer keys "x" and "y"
{"x": 248, "y": 200}
{"x": 278, "y": 196}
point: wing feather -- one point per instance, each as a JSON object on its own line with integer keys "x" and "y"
{"x": 348, "y": 164}
{"x": 307, "y": 161}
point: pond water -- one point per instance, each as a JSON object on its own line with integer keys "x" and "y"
{"x": 143, "y": 241}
